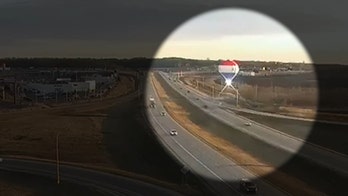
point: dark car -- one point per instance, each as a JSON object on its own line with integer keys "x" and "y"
{"x": 247, "y": 186}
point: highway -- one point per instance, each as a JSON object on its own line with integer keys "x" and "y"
{"x": 106, "y": 184}
{"x": 220, "y": 174}
{"x": 318, "y": 154}
{"x": 211, "y": 80}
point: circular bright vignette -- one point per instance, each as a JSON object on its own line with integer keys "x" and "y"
{"x": 276, "y": 76}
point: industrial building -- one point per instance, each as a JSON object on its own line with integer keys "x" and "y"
{"x": 56, "y": 85}
{"x": 4, "y": 67}
{"x": 68, "y": 87}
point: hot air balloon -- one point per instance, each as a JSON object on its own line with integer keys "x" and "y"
{"x": 229, "y": 70}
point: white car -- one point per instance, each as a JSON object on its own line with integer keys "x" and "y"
{"x": 163, "y": 113}
{"x": 173, "y": 132}
{"x": 247, "y": 124}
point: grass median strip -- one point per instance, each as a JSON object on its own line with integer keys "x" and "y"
{"x": 259, "y": 168}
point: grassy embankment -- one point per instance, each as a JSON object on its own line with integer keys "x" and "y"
{"x": 31, "y": 134}
{"x": 283, "y": 180}
{"x": 291, "y": 101}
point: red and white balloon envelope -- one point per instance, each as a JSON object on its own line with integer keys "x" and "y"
{"x": 229, "y": 70}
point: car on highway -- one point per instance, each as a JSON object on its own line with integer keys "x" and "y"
{"x": 163, "y": 113}
{"x": 247, "y": 186}
{"x": 173, "y": 132}
{"x": 152, "y": 102}
{"x": 247, "y": 124}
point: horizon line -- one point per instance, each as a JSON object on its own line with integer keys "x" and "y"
{"x": 155, "y": 58}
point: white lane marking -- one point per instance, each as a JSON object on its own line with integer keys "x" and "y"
{"x": 317, "y": 148}
{"x": 244, "y": 171}
{"x": 280, "y": 133}
{"x": 195, "y": 158}
{"x": 275, "y": 130}
{"x": 74, "y": 179}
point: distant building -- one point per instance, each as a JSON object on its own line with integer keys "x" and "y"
{"x": 79, "y": 86}
{"x": 91, "y": 84}
{"x": 63, "y": 79}
{"x": 68, "y": 87}
{"x": 247, "y": 73}
{"x": 4, "y": 67}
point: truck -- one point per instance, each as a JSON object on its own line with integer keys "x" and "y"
{"x": 152, "y": 102}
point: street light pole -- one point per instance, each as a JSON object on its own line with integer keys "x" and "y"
{"x": 56, "y": 95}
{"x": 57, "y": 152}
{"x": 36, "y": 96}
{"x": 3, "y": 93}
{"x": 184, "y": 170}
{"x": 237, "y": 101}
{"x": 203, "y": 82}
{"x": 213, "y": 91}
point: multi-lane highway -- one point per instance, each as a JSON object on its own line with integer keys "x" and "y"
{"x": 211, "y": 80}
{"x": 219, "y": 173}
{"x": 276, "y": 138}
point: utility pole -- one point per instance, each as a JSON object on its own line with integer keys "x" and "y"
{"x": 184, "y": 170}
{"x": 139, "y": 85}
{"x": 100, "y": 94}
{"x": 213, "y": 91}
{"x": 15, "y": 92}
{"x": 3, "y": 93}
{"x": 56, "y": 95}
{"x": 36, "y": 96}
{"x": 57, "y": 152}
{"x": 256, "y": 92}
{"x": 203, "y": 82}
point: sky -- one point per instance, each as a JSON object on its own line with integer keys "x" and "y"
{"x": 125, "y": 29}
{"x": 240, "y": 34}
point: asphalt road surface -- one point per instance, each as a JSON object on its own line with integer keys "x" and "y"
{"x": 106, "y": 184}
{"x": 276, "y": 138}
{"x": 311, "y": 130}
{"x": 220, "y": 174}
